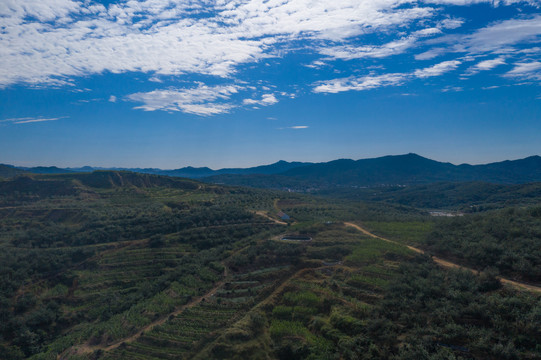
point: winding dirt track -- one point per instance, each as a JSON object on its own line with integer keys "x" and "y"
{"x": 448, "y": 264}
{"x": 86, "y": 348}
{"x": 262, "y": 213}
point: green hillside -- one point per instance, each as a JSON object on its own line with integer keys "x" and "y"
{"x": 408, "y": 169}
{"x": 118, "y": 265}
{"x": 7, "y": 171}
{"x": 464, "y": 197}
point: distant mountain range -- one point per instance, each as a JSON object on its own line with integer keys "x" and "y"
{"x": 7, "y": 171}
{"x": 409, "y": 169}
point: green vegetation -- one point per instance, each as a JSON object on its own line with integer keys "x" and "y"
{"x": 408, "y": 232}
{"x": 115, "y": 265}
{"x": 507, "y": 240}
{"x": 462, "y": 196}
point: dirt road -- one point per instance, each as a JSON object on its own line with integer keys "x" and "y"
{"x": 262, "y": 213}
{"x": 445, "y": 263}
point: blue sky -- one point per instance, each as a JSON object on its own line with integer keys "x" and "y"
{"x": 169, "y": 83}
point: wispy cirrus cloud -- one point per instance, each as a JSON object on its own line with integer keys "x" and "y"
{"x": 486, "y": 65}
{"x": 437, "y": 70}
{"x": 201, "y": 100}
{"x": 28, "y": 120}
{"x": 54, "y": 40}
{"x": 51, "y": 43}
{"x": 295, "y": 127}
{"x": 359, "y": 83}
{"x": 527, "y": 71}
{"x": 395, "y": 47}
{"x": 266, "y": 99}
{"x": 498, "y": 38}
{"x": 369, "y": 82}
{"x": 472, "y": 2}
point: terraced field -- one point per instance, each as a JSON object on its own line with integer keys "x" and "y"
{"x": 159, "y": 268}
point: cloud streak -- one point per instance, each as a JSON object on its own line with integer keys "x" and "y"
{"x": 52, "y": 41}
{"x": 28, "y": 120}
{"x": 202, "y": 100}
{"x": 266, "y": 100}
{"x": 526, "y": 70}
{"x": 486, "y": 65}
{"x": 376, "y": 81}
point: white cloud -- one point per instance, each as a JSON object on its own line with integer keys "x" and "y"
{"x": 359, "y": 83}
{"x": 395, "y": 47}
{"x": 503, "y": 34}
{"x": 266, "y": 99}
{"x": 349, "y": 52}
{"x": 437, "y": 70}
{"x": 28, "y": 120}
{"x": 528, "y": 70}
{"x": 296, "y": 127}
{"x": 112, "y": 98}
{"x": 472, "y": 2}
{"x": 451, "y": 23}
{"x": 317, "y": 64}
{"x": 52, "y": 41}
{"x": 525, "y": 68}
{"x": 486, "y": 65}
{"x": 431, "y": 54}
{"x": 496, "y": 38}
{"x": 452, "y": 89}
{"x": 490, "y": 64}
{"x": 202, "y": 100}
{"x": 375, "y": 81}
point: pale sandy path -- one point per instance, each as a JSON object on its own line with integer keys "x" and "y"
{"x": 261, "y": 213}
{"x": 445, "y": 263}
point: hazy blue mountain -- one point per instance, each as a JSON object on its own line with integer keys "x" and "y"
{"x": 515, "y": 171}
{"x": 46, "y": 170}
{"x": 201, "y": 172}
{"x": 409, "y": 169}
{"x": 188, "y": 172}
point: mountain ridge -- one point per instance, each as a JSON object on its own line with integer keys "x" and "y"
{"x": 405, "y": 169}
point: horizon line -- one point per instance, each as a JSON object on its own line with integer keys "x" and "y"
{"x": 249, "y": 167}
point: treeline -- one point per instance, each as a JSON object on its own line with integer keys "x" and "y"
{"x": 427, "y": 313}
{"x": 508, "y": 240}
{"x": 120, "y": 224}
{"x": 26, "y": 320}
{"x": 453, "y": 314}
{"x": 466, "y": 197}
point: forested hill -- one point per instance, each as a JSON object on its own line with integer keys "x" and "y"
{"x": 115, "y": 265}
{"x": 191, "y": 172}
{"x": 8, "y": 171}
{"x": 409, "y": 169}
